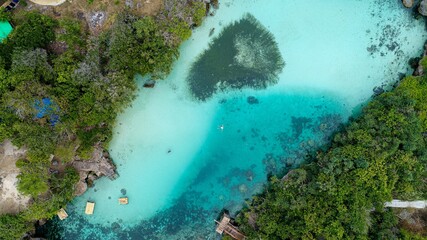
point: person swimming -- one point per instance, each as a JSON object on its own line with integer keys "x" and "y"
{"x": 221, "y": 127}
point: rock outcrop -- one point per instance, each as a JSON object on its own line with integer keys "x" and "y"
{"x": 408, "y": 3}
{"x": 422, "y": 9}
{"x": 420, "y": 70}
{"x": 97, "y": 166}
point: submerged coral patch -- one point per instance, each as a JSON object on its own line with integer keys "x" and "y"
{"x": 245, "y": 54}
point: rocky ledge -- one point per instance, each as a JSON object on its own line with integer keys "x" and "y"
{"x": 422, "y": 9}
{"x": 419, "y": 71}
{"x": 408, "y": 3}
{"x": 100, "y": 164}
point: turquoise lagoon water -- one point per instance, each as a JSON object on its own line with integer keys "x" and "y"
{"x": 181, "y": 161}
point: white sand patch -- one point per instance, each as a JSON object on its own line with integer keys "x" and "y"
{"x": 11, "y": 201}
{"x": 406, "y": 204}
{"x": 48, "y": 2}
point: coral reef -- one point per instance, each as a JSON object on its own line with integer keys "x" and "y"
{"x": 244, "y": 54}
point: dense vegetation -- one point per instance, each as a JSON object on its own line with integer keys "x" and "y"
{"x": 340, "y": 193}
{"x": 61, "y": 90}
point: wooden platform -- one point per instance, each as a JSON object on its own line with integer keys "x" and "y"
{"x": 226, "y": 227}
{"x": 123, "y": 201}
{"x": 62, "y": 214}
{"x": 90, "y": 206}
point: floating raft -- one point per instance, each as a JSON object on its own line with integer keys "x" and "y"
{"x": 62, "y": 214}
{"x": 90, "y": 206}
{"x": 123, "y": 201}
{"x": 226, "y": 227}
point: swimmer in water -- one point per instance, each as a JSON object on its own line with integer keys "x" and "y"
{"x": 221, "y": 127}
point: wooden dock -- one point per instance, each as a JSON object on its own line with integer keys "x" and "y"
{"x": 62, "y": 214}
{"x": 123, "y": 201}
{"x": 90, "y": 206}
{"x": 226, "y": 227}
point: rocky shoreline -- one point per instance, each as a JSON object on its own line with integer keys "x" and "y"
{"x": 100, "y": 164}
{"x": 11, "y": 201}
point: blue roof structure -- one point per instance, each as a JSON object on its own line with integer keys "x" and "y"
{"x": 47, "y": 108}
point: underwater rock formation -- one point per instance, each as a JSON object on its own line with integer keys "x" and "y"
{"x": 252, "y": 100}
{"x": 245, "y": 54}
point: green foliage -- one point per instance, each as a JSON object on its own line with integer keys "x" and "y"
{"x": 90, "y": 81}
{"x": 5, "y": 16}
{"x": 407, "y": 235}
{"x": 71, "y": 33}
{"x": 65, "y": 152}
{"x": 33, "y": 179}
{"x": 12, "y": 227}
{"x": 23, "y": 3}
{"x": 378, "y": 156}
{"x": 383, "y": 225}
{"x": 179, "y": 29}
{"x": 32, "y": 31}
{"x": 137, "y": 46}
{"x": 199, "y": 12}
{"x": 423, "y": 62}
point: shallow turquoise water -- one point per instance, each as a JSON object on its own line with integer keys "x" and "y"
{"x": 182, "y": 161}
{"x": 5, "y": 29}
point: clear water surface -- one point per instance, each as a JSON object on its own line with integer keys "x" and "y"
{"x": 181, "y": 161}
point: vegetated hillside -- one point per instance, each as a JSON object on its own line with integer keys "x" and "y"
{"x": 340, "y": 193}
{"x": 61, "y": 90}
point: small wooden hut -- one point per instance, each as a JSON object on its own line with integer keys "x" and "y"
{"x": 62, "y": 214}
{"x": 90, "y": 206}
{"x": 224, "y": 226}
{"x": 123, "y": 201}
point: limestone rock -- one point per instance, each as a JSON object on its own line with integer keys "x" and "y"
{"x": 100, "y": 164}
{"x": 252, "y": 100}
{"x": 96, "y": 20}
{"x": 423, "y": 8}
{"x": 408, "y": 3}
{"x": 420, "y": 70}
{"x": 80, "y": 188}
